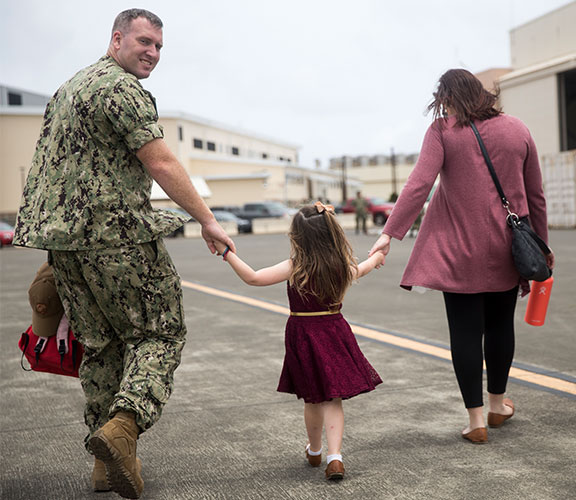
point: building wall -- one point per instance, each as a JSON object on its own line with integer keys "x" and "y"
{"x": 541, "y": 50}
{"x": 12, "y": 96}
{"x": 18, "y": 135}
{"x": 236, "y": 192}
{"x": 540, "y": 92}
{"x": 227, "y": 142}
{"x": 547, "y": 37}
{"x": 234, "y": 179}
{"x": 378, "y": 180}
{"x": 535, "y": 102}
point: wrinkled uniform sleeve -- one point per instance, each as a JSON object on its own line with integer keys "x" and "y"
{"x": 418, "y": 186}
{"x": 132, "y": 111}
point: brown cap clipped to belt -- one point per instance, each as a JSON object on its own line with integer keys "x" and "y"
{"x": 46, "y": 306}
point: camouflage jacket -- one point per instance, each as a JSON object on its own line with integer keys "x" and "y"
{"x": 86, "y": 188}
{"x": 360, "y": 206}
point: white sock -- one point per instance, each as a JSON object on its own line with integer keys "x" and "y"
{"x": 329, "y": 458}
{"x": 313, "y": 453}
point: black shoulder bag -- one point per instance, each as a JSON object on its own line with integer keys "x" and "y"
{"x": 528, "y": 249}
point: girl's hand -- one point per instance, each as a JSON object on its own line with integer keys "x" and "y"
{"x": 381, "y": 258}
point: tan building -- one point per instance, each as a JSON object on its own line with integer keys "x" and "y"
{"x": 541, "y": 91}
{"x": 19, "y": 131}
{"x": 228, "y": 166}
{"x": 377, "y": 175}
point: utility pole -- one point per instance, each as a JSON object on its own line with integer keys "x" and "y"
{"x": 344, "y": 192}
{"x": 394, "y": 195}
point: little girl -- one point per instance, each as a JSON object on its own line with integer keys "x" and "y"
{"x": 323, "y": 363}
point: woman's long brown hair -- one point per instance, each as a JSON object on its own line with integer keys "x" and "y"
{"x": 464, "y": 94}
{"x": 322, "y": 258}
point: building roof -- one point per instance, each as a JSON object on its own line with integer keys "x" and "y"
{"x": 179, "y": 115}
{"x": 198, "y": 182}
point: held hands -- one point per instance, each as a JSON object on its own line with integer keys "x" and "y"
{"x": 382, "y": 245}
{"x": 216, "y": 237}
{"x": 220, "y": 247}
{"x": 380, "y": 259}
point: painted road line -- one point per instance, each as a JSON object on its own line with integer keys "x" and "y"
{"x": 524, "y": 375}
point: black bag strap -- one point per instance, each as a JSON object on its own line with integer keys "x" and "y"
{"x": 26, "y": 338}
{"x": 490, "y": 166}
{"x": 73, "y": 347}
{"x": 512, "y": 218}
{"x": 545, "y": 248}
{"x": 38, "y": 348}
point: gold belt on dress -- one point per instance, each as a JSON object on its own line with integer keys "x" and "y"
{"x": 315, "y": 313}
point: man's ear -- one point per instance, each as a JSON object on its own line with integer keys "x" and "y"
{"x": 116, "y": 38}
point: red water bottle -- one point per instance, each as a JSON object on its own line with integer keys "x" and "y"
{"x": 538, "y": 302}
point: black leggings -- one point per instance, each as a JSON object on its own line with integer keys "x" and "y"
{"x": 471, "y": 316}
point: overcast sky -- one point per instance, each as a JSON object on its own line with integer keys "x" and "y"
{"x": 332, "y": 76}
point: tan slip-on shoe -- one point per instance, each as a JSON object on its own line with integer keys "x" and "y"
{"x": 313, "y": 460}
{"x": 115, "y": 445}
{"x": 477, "y": 436}
{"x": 335, "y": 470}
{"x": 497, "y": 419}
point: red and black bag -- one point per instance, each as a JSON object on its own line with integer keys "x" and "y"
{"x": 59, "y": 354}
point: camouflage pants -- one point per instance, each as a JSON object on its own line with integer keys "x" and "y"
{"x": 125, "y": 307}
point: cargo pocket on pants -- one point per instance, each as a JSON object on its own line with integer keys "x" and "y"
{"x": 162, "y": 300}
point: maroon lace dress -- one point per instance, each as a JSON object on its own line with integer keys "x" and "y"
{"x": 323, "y": 360}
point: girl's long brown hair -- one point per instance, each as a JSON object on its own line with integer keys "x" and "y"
{"x": 464, "y": 94}
{"x": 322, "y": 258}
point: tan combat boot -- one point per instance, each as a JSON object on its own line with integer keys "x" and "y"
{"x": 115, "y": 445}
{"x": 99, "y": 481}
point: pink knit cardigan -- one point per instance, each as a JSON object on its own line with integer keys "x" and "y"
{"x": 463, "y": 245}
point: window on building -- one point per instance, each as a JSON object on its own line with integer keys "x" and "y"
{"x": 264, "y": 155}
{"x": 210, "y": 146}
{"x": 180, "y": 133}
{"x": 235, "y": 151}
{"x": 198, "y": 143}
{"x": 567, "y": 102}
{"x": 14, "y": 99}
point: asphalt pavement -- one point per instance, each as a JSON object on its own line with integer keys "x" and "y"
{"x": 227, "y": 434}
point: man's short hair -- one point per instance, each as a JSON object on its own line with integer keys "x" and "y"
{"x": 124, "y": 19}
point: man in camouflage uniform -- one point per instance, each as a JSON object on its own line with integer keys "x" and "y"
{"x": 360, "y": 205}
{"x": 87, "y": 201}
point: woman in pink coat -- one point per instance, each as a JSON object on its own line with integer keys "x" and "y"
{"x": 463, "y": 246}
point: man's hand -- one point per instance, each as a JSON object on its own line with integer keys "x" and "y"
{"x": 216, "y": 238}
{"x": 220, "y": 247}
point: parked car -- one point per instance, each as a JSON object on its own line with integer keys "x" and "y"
{"x": 6, "y": 234}
{"x": 379, "y": 208}
{"x": 234, "y": 209}
{"x": 264, "y": 209}
{"x": 244, "y": 226}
